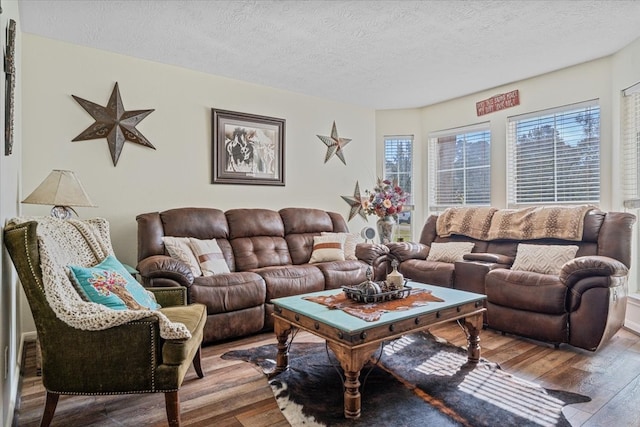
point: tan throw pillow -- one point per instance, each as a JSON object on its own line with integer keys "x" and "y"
{"x": 350, "y": 242}
{"x": 545, "y": 259}
{"x": 449, "y": 251}
{"x": 209, "y": 256}
{"x": 178, "y": 248}
{"x": 327, "y": 248}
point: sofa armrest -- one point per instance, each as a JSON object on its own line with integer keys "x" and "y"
{"x": 590, "y": 266}
{"x": 371, "y": 252}
{"x": 488, "y": 257}
{"x": 403, "y": 251}
{"x": 170, "y": 296}
{"x": 166, "y": 270}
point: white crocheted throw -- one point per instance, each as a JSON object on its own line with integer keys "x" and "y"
{"x": 85, "y": 243}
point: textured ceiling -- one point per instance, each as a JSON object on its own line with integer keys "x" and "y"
{"x": 376, "y": 54}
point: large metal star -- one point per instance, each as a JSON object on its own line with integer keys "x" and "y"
{"x": 335, "y": 144}
{"x": 113, "y": 123}
{"x": 355, "y": 202}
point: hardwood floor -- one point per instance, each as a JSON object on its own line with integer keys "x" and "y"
{"x": 234, "y": 393}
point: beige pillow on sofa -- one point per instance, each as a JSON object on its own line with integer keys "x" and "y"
{"x": 350, "y": 242}
{"x": 178, "y": 248}
{"x": 449, "y": 251}
{"x": 545, "y": 259}
{"x": 327, "y": 248}
{"x": 209, "y": 256}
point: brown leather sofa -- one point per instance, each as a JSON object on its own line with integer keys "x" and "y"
{"x": 583, "y": 306}
{"x": 267, "y": 253}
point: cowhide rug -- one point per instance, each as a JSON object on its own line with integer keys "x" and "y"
{"x": 418, "y": 381}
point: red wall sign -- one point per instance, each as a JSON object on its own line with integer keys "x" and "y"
{"x": 498, "y": 102}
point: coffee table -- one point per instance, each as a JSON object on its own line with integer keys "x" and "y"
{"x": 354, "y": 341}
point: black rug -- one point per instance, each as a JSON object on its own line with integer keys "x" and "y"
{"x": 418, "y": 381}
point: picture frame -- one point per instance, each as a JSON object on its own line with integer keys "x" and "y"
{"x": 10, "y": 87}
{"x": 247, "y": 149}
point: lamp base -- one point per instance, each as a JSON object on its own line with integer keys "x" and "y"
{"x": 62, "y": 212}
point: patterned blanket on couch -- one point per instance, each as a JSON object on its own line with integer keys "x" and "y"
{"x": 540, "y": 222}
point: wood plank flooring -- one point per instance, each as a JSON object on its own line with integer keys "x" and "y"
{"x": 234, "y": 393}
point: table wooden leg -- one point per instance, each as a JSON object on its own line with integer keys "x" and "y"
{"x": 282, "y": 330}
{"x": 352, "y": 361}
{"x": 472, "y": 326}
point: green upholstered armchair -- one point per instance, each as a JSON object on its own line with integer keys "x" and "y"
{"x": 128, "y": 358}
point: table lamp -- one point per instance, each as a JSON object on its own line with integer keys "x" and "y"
{"x": 62, "y": 189}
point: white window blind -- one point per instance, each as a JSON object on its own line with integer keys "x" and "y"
{"x": 398, "y": 162}
{"x": 460, "y": 167}
{"x": 631, "y": 146}
{"x": 554, "y": 156}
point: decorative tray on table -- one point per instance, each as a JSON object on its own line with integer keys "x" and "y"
{"x": 369, "y": 292}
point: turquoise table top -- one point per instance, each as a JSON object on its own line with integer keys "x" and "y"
{"x": 348, "y": 323}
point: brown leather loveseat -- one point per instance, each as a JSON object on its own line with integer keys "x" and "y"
{"x": 582, "y": 303}
{"x": 267, "y": 253}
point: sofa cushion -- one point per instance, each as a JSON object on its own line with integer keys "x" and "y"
{"x": 429, "y": 272}
{"x": 327, "y": 248}
{"x": 179, "y": 248}
{"x": 291, "y": 280}
{"x": 228, "y": 292}
{"x": 526, "y": 290}
{"x": 449, "y": 251}
{"x": 209, "y": 256}
{"x": 110, "y": 284}
{"x": 545, "y": 259}
{"x": 343, "y": 273}
{"x": 193, "y": 316}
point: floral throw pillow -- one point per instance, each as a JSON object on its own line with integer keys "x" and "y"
{"x": 110, "y": 284}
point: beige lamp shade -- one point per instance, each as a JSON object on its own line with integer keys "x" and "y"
{"x": 62, "y": 189}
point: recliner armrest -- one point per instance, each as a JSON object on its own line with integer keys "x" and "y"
{"x": 170, "y": 296}
{"x": 408, "y": 250}
{"x": 590, "y": 266}
{"x": 371, "y": 252}
{"x": 164, "y": 267}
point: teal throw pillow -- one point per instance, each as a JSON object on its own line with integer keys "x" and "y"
{"x": 109, "y": 283}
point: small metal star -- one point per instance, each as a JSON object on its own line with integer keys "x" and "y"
{"x": 335, "y": 144}
{"x": 114, "y": 123}
{"x": 355, "y": 202}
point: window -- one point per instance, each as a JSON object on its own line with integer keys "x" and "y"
{"x": 554, "y": 156}
{"x": 631, "y": 146}
{"x": 398, "y": 166}
{"x": 460, "y": 167}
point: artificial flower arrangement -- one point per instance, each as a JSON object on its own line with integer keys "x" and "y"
{"x": 386, "y": 199}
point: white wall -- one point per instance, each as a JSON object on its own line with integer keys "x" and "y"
{"x": 626, "y": 72}
{"x": 10, "y": 300}
{"x": 178, "y": 172}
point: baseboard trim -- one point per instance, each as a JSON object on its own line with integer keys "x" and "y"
{"x": 17, "y": 377}
{"x": 632, "y": 320}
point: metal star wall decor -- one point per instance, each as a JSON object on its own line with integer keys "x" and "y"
{"x": 114, "y": 123}
{"x": 335, "y": 144}
{"x": 355, "y": 203}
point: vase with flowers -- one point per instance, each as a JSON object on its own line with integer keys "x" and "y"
{"x": 385, "y": 201}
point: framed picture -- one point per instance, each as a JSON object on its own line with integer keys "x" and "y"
{"x": 247, "y": 148}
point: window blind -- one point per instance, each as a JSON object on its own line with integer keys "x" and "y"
{"x": 553, "y": 156}
{"x": 460, "y": 167}
{"x": 631, "y": 147}
{"x": 398, "y": 162}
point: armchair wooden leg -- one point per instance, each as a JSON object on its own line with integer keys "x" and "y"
{"x": 172, "y": 403}
{"x": 197, "y": 364}
{"x": 49, "y": 409}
